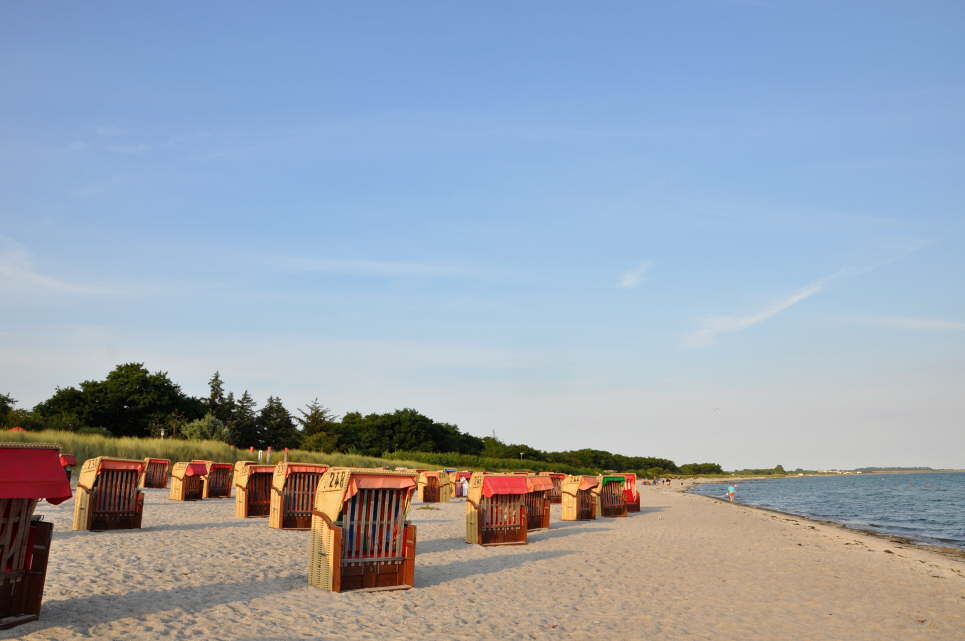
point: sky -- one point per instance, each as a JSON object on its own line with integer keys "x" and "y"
{"x": 708, "y": 230}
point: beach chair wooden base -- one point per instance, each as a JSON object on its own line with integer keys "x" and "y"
{"x": 514, "y": 534}
{"x": 21, "y": 592}
{"x": 101, "y": 521}
{"x": 11, "y": 622}
{"x": 330, "y": 570}
{"x": 633, "y": 506}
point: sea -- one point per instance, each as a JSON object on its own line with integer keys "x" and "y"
{"x": 927, "y": 508}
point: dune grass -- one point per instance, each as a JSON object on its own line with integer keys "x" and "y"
{"x": 85, "y": 446}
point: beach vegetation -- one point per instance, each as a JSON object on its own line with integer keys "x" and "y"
{"x": 133, "y": 402}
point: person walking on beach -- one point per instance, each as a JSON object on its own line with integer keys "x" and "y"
{"x": 730, "y": 492}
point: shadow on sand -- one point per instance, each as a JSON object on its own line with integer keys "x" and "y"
{"x": 428, "y": 576}
{"x": 80, "y": 613}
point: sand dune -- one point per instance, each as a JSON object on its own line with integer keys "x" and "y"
{"x": 686, "y": 567}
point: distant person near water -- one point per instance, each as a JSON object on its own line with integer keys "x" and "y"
{"x": 730, "y": 492}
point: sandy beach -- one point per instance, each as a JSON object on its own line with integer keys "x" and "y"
{"x": 686, "y": 567}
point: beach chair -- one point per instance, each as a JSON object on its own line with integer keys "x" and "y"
{"x": 609, "y": 496}
{"x": 28, "y": 473}
{"x": 631, "y": 494}
{"x": 253, "y": 482}
{"x": 495, "y": 513}
{"x": 435, "y": 487}
{"x": 217, "y": 480}
{"x": 556, "y": 494}
{"x": 360, "y": 539}
{"x": 537, "y": 502}
{"x": 578, "y": 502}
{"x": 68, "y": 462}
{"x": 293, "y": 488}
{"x": 155, "y": 473}
{"x": 107, "y": 495}
{"x": 187, "y": 481}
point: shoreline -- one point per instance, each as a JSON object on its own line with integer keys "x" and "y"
{"x": 957, "y": 554}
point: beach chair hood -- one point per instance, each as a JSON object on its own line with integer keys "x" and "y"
{"x": 341, "y": 484}
{"x": 539, "y": 483}
{"x": 32, "y": 473}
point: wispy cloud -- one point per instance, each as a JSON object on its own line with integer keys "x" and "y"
{"x": 919, "y": 323}
{"x": 362, "y": 267}
{"x": 716, "y": 325}
{"x": 630, "y": 279}
{"x": 17, "y": 272}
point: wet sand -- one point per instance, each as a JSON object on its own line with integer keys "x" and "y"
{"x": 686, "y": 567}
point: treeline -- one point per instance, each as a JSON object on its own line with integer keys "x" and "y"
{"x": 131, "y": 401}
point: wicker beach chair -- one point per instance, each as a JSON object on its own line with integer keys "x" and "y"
{"x": 631, "y": 494}
{"x": 609, "y": 495}
{"x": 217, "y": 480}
{"x": 68, "y": 462}
{"x": 578, "y": 502}
{"x": 28, "y": 473}
{"x": 187, "y": 481}
{"x": 556, "y": 494}
{"x": 293, "y": 488}
{"x": 360, "y": 539}
{"x": 155, "y": 473}
{"x": 435, "y": 487}
{"x": 495, "y": 513}
{"x": 253, "y": 482}
{"x": 537, "y": 502}
{"x": 107, "y": 495}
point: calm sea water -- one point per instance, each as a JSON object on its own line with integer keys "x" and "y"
{"x": 929, "y": 508}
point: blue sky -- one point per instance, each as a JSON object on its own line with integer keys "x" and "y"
{"x": 711, "y": 230}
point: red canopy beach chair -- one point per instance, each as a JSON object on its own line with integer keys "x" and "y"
{"x": 293, "y": 488}
{"x": 631, "y": 494}
{"x": 556, "y": 494}
{"x": 253, "y": 482}
{"x": 107, "y": 496}
{"x": 495, "y": 513}
{"x": 155, "y": 473}
{"x": 578, "y": 502}
{"x": 360, "y": 539}
{"x": 537, "y": 502}
{"x": 28, "y": 473}
{"x": 187, "y": 481}
{"x": 217, "y": 480}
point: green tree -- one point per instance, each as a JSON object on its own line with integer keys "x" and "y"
{"x": 244, "y": 428}
{"x": 208, "y": 428}
{"x": 216, "y": 404}
{"x": 320, "y": 427}
{"x": 127, "y": 402}
{"x": 276, "y": 425}
{"x": 7, "y": 403}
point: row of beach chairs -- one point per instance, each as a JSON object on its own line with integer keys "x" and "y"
{"x": 359, "y": 535}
